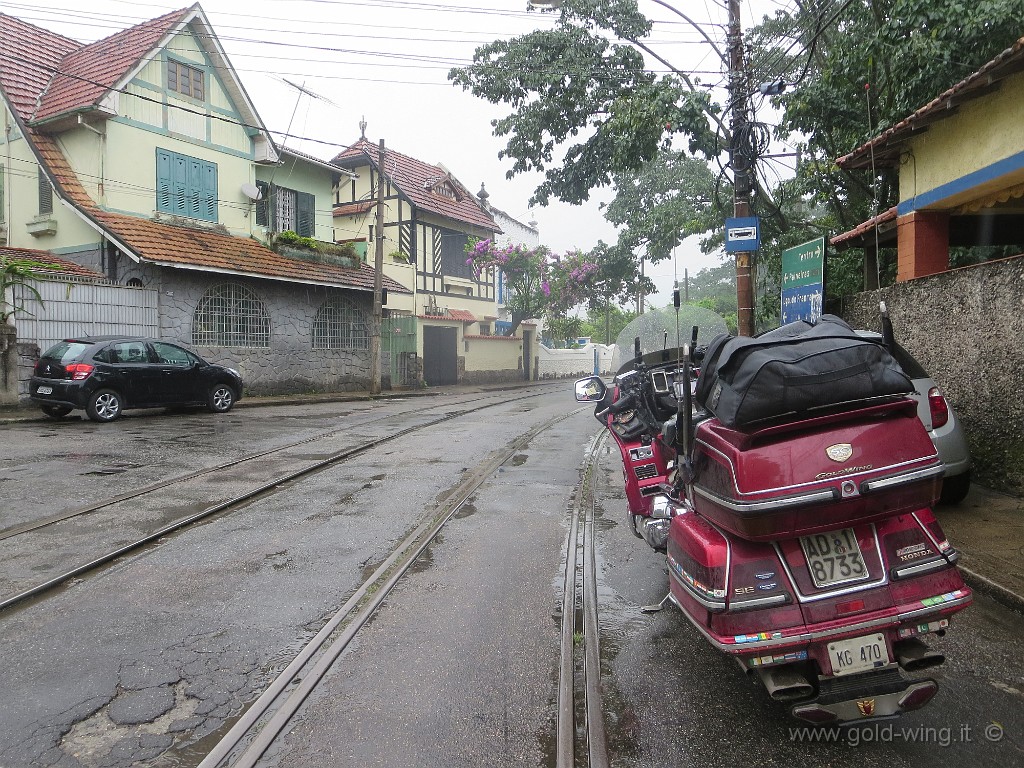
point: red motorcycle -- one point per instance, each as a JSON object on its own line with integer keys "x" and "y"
{"x": 795, "y": 487}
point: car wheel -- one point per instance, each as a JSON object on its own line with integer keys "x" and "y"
{"x": 104, "y": 405}
{"x": 955, "y": 488}
{"x": 56, "y": 411}
{"x": 221, "y": 398}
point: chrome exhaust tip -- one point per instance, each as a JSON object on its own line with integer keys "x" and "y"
{"x": 913, "y": 655}
{"x": 786, "y": 683}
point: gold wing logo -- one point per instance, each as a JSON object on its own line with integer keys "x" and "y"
{"x": 866, "y": 707}
{"x": 839, "y": 452}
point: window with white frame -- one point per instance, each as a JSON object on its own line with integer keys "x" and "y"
{"x": 340, "y": 324}
{"x": 231, "y": 315}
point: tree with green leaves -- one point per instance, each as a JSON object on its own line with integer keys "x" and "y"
{"x": 587, "y": 112}
{"x": 15, "y": 274}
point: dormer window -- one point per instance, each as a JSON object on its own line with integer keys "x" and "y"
{"x": 444, "y": 188}
{"x": 186, "y": 80}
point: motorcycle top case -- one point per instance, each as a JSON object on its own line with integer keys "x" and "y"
{"x": 794, "y": 370}
{"x": 798, "y": 478}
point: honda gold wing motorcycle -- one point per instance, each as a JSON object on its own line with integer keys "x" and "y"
{"x": 791, "y": 486}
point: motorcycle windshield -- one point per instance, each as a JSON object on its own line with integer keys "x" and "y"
{"x": 662, "y": 332}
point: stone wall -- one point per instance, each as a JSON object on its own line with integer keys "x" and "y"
{"x": 289, "y": 365}
{"x": 966, "y": 327}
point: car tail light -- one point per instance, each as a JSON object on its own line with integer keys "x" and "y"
{"x": 79, "y": 371}
{"x": 938, "y": 407}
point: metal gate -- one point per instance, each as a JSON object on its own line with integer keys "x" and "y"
{"x": 73, "y": 307}
{"x": 440, "y": 355}
{"x": 399, "y": 343}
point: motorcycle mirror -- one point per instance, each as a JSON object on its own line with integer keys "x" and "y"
{"x": 590, "y": 389}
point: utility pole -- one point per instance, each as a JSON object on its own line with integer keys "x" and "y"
{"x": 378, "y": 278}
{"x": 739, "y": 158}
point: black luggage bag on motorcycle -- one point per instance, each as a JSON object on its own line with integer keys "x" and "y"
{"x": 795, "y": 369}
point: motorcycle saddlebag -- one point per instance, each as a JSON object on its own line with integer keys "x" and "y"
{"x": 794, "y": 370}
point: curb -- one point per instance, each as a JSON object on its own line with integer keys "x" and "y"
{"x": 997, "y": 592}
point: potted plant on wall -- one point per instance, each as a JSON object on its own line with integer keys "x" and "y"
{"x": 295, "y": 246}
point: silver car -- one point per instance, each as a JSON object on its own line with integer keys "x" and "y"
{"x": 941, "y": 422}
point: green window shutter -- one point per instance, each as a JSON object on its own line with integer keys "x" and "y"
{"x": 163, "y": 181}
{"x": 45, "y": 194}
{"x": 179, "y": 184}
{"x": 305, "y": 214}
{"x": 263, "y": 205}
{"x": 209, "y": 191}
{"x": 186, "y": 186}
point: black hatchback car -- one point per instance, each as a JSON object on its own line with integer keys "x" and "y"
{"x": 108, "y": 374}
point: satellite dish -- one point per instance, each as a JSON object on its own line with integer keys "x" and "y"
{"x": 251, "y": 191}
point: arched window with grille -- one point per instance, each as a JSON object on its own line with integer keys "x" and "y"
{"x": 340, "y": 324}
{"x": 231, "y": 315}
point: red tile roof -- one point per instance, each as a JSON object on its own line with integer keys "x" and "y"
{"x": 54, "y": 264}
{"x": 189, "y": 248}
{"x": 417, "y": 180}
{"x": 846, "y": 239}
{"x": 29, "y": 56}
{"x": 463, "y": 315}
{"x": 352, "y": 209}
{"x": 88, "y": 73}
{"x": 45, "y": 74}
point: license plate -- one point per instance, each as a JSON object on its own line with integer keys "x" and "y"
{"x": 834, "y": 557}
{"x": 44, "y": 391}
{"x": 858, "y": 654}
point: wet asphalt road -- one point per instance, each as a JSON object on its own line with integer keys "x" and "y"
{"x": 148, "y": 662}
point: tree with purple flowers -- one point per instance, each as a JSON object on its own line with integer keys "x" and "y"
{"x": 540, "y": 283}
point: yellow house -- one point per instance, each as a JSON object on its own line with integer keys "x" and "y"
{"x": 961, "y": 171}
{"x": 429, "y": 218}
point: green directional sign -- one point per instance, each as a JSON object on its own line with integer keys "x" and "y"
{"x": 803, "y": 281}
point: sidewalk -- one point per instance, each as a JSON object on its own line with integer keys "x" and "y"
{"x": 987, "y": 527}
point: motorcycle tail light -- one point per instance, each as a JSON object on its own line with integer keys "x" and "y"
{"x": 79, "y": 371}
{"x": 812, "y": 713}
{"x": 919, "y": 695}
{"x": 937, "y": 405}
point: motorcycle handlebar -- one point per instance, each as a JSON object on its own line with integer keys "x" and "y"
{"x": 622, "y": 404}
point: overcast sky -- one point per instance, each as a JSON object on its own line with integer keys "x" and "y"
{"x": 387, "y": 61}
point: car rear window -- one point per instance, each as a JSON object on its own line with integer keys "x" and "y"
{"x": 66, "y": 351}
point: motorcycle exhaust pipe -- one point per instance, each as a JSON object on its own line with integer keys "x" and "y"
{"x": 914, "y": 655}
{"x": 786, "y": 683}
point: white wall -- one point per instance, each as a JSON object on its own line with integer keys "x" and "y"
{"x": 564, "y": 363}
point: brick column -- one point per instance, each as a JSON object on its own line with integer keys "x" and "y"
{"x": 922, "y": 244}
